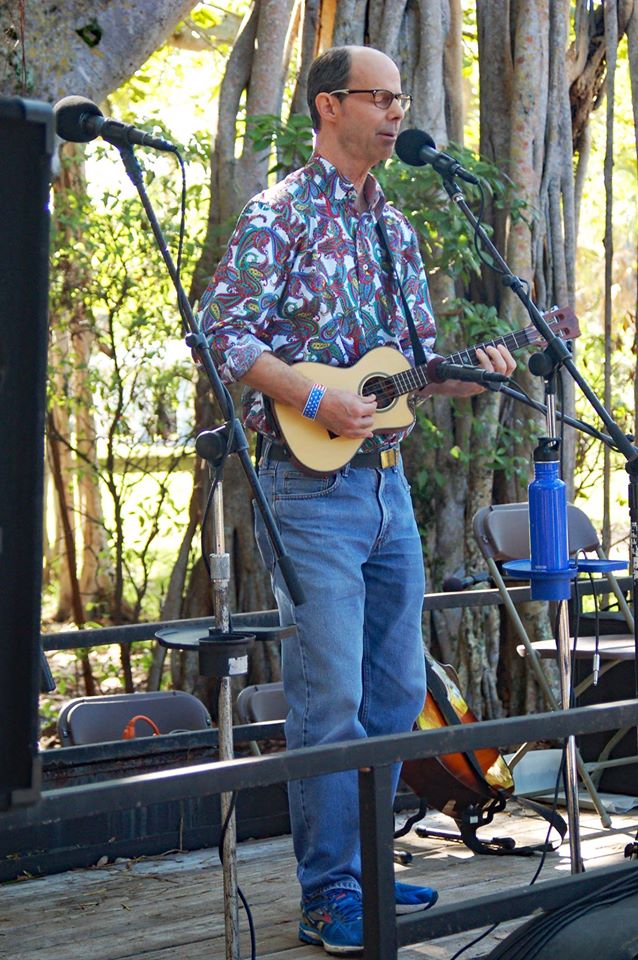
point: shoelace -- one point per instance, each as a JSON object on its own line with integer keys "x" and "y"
{"x": 346, "y": 907}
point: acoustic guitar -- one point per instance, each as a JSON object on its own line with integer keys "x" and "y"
{"x": 387, "y": 374}
{"x": 468, "y": 787}
{"x": 455, "y": 781}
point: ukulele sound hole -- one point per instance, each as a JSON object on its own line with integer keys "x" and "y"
{"x": 383, "y": 391}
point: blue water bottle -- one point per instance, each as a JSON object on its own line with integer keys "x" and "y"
{"x": 549, "y": 546}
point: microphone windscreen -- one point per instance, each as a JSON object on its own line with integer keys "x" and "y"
{"x": 409, "y": 145}
{"x": 67, "y": 113}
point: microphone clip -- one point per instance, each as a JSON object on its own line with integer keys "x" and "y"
{"x": 439, "y": 370}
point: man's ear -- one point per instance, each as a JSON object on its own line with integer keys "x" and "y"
{"x": 327, "y": 107}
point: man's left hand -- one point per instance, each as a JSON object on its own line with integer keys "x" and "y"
{"x": 495, "y": 359}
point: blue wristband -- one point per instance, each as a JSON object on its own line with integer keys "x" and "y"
{"x": 312, "y": 403}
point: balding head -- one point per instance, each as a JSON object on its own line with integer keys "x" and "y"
{"x": 337, "y": 69}
{"x": 365, "y": 59}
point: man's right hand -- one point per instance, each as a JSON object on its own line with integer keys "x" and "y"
{"x": 347, "y": 414}
{"x": 344, "y": 413}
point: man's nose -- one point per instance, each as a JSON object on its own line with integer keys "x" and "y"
{"x": 395, "y": 109}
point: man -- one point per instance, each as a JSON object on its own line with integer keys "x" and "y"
{"x": 305, "y": 278}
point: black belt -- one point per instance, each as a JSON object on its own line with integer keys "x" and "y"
{"x": 377, "y": 459}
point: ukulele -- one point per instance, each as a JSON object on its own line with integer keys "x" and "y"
{"x": 386, "y": 373}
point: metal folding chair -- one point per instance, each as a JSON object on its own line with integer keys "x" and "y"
{"x": 99, "y": 719}
{"x": 261, "y": 702}
{"x": 502, "y": 534}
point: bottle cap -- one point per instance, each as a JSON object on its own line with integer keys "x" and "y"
{"x": 548, "y": 450}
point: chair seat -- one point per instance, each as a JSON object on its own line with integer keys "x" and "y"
{"x": 618, "y": 647}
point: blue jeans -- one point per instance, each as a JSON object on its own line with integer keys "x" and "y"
{"x": 356, "y": 667}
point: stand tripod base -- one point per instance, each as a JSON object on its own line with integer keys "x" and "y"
{"x": 497, "y": 846}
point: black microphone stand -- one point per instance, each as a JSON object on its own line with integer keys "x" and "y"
{"x": 196, "y": 340}
{"x": 223, "y": 652}
{"x": 558, "y": 355}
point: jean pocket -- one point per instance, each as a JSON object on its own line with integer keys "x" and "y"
{"x": 295, "y": 485}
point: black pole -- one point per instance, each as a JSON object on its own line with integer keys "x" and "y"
{"x": 558, "y": 350}
{"x": 196, "y": 340}
{"x": 376, "y": 832}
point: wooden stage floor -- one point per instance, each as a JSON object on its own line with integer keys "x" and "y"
{"x": 170, "y": 907}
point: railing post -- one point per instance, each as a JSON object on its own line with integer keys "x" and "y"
{"x": 376, "y": 830}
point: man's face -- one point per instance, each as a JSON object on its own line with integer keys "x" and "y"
{"x": 363, "y": 130}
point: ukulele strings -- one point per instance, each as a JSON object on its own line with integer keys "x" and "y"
{"x": 389, "y": 387}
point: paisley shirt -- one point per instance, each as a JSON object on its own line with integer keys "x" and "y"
{"x": 305, "y": 276}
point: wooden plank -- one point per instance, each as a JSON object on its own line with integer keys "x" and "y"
{"x": 171, "y": 906}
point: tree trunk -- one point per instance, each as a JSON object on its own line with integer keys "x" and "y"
{"x": 86, "y": 47}
{"x": 60, "y": 463}
{"x": 611, "y": 38}
{"x": 632, "y": 46}
{"x": 256, "y": 65}
{"x": 96, "y": 572}
{"x": 523, "y": 113}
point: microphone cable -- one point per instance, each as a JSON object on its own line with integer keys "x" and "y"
{"x": 478, "y": 246}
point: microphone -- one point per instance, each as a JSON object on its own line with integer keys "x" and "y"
{"x": 418, "y": 148}
{"x": 439, "y": 369}
{"x": 454, "y": 584}
{"x": 80, "y": 120}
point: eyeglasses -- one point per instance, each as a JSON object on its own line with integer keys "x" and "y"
{"x": 382, "y": 98}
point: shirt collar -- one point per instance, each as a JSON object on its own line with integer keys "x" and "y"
{"x": 337, "y": 187}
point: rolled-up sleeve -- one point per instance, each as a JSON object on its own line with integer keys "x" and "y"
{"x": 243, "y": 296}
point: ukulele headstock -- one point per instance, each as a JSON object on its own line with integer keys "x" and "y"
{"x": 563, "y": 322}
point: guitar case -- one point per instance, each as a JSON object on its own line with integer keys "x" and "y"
{"x": 469, "y": 787}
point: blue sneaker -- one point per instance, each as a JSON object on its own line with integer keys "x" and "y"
{"x": 334, "y": 920}
{"x": 410, "y": 898}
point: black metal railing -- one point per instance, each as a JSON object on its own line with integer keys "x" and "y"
{"x": 373, "y": 757}
{"x": 133, "y": 632}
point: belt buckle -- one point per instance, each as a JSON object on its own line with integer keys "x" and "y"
{"x": 389, "y": 458}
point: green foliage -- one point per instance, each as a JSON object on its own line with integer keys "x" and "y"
{"x": 291, "y": 139}
{"x": 468, "y": 322}
{"x": 444, "y": 233}
{"x": 109, "y": 279}
{"x": 511, "y": 439}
